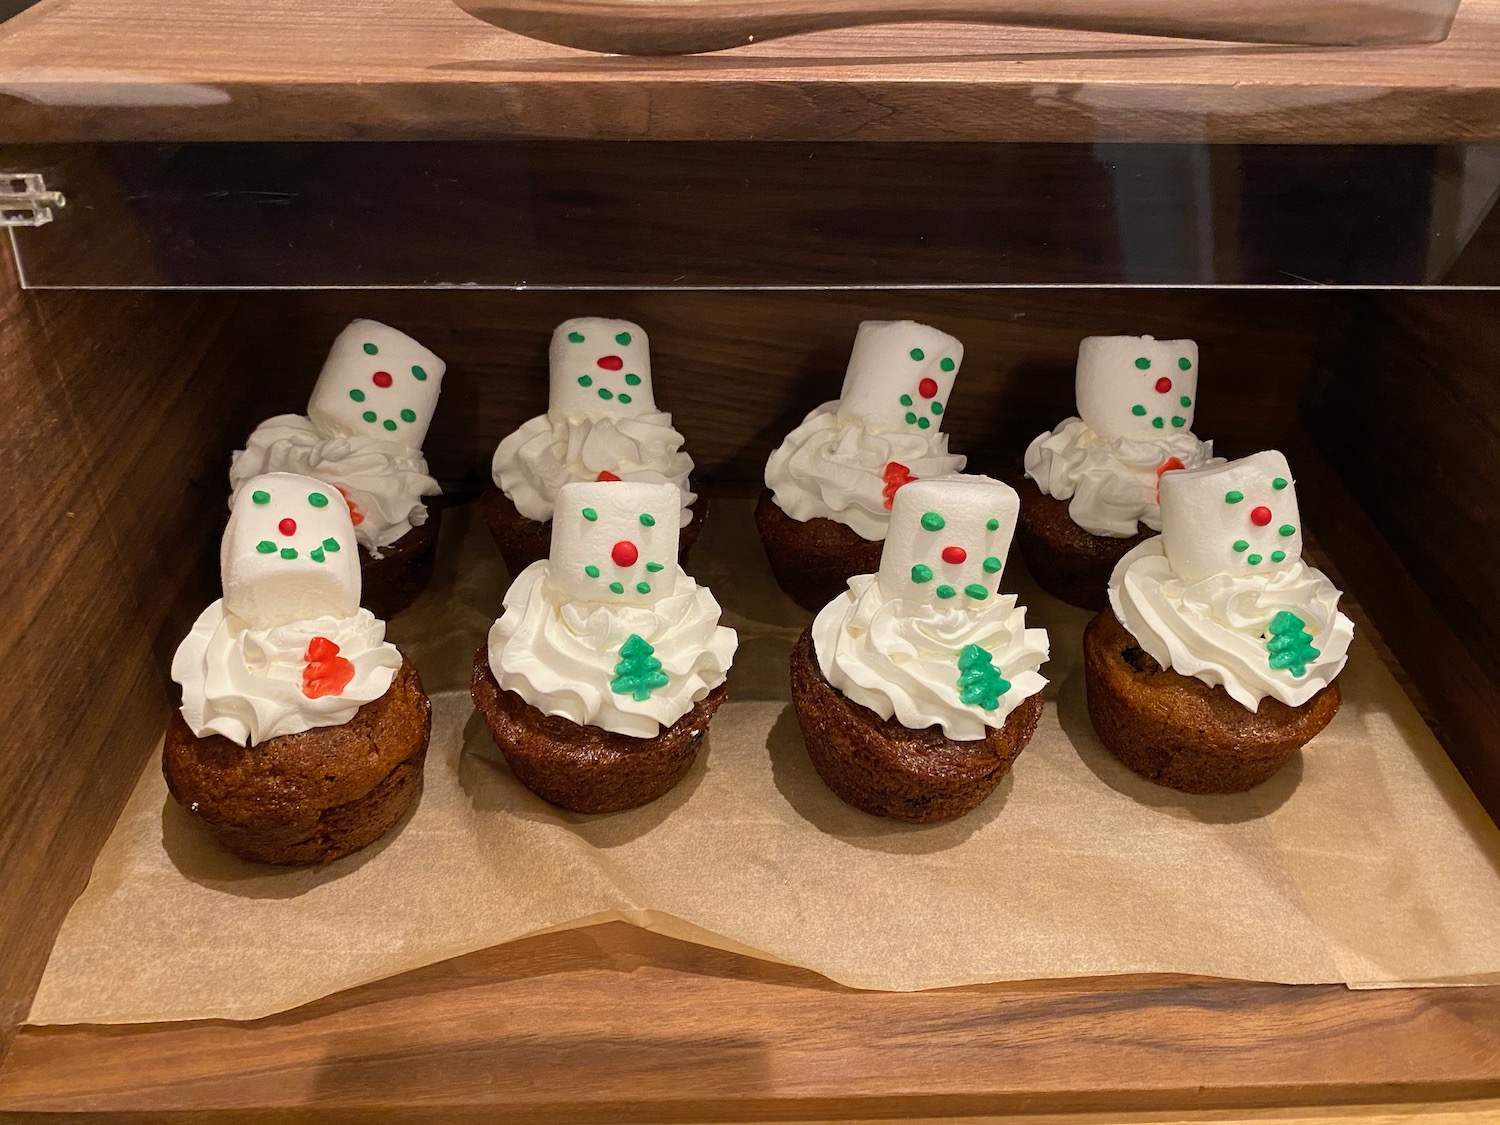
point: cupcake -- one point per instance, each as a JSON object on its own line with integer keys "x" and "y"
{"x": 601, "y": 424}
{"x": 302, "y": 732}
{"x": 917, "y": 687}
{"x": 363, "y": 433}
{"x": 1092, "y": 482}
{"x": 829, "y": 485}
{"x": 600, "y": 679}
{"x": 1216, "y": 660}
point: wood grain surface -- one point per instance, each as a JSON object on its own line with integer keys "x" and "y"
{"x": 403, "y": 69}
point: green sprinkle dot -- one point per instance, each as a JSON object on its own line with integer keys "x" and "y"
{"x": 260, "y": 497}
{"x": 643, "y": 587}
{"x": 976, "y": 591}
{"x": 923, "y": 423}
{"x": 945, "y": 592}
{"x": 316, "y": 554}
{"x": 1241, "y": 546}
{"x": 368, "y": 415}
{"x": 408, "y": 416}
{"x": 1185, "y": 401}
{"x": 625, "y": 398}
{"x": 317, "y": 500}
{"x": 591, "y": 570}
{"x": 937, "y": 408}
{"x": 265, "y": 547}
{"x": 947, "y": 364}
{"x": 1233, "y": 497}
{"x": 616, "y": 588}
{"x": 575, "y": 337}
{"x": 1143, "y": 363}
{"x": 648, "y": 520}
{"x": 991, "y": 565}
{"x": 906, "y": 400}
{"x": 1278, "y": 556}
{"x": 419, "y": 372}
{"x": 1286, "y": 529}
{"x": 1253, "y": 560}
{"x": 910, "y": 417}
{"x": 585, "y": 380}
{"x": 1159, "y": 423}
{"x": 357, "y": 395}
{"x": 653, "y": 567}
{"x": 606, "y": 393}
{"x": 371, "y": 349}
{"x": 1279, "y": 483}
{"x": 933, "y": 522}
{"x": 1186, "y": 364}
{"x": 918, "y": 354}
{"x": 993, "y": 525}
{"x": 921, "y": 573}
{"x": 289, "y": 552}
{"x": 623, "y": 339}
{"x": 1138, "y": 410}
{"x": 632, "y": 380}
{"x": 331, "y": 545}
{"x": 1178, "y": 422}
{"x": 590, "y": 515}
{"x": 389, "y": 423}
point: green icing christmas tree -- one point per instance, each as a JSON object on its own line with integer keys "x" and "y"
{"x": 638, "y": 673}
{"x": 979, "y": 681}
{"x": 1289, "y": 645}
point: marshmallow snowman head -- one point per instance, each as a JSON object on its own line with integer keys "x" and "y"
{"x": 948, "y": 541}
{"x": 377, "y": 382}
{"x": 900, "y": 375}
{"x": 289, "y": 552}
{"x": 1236, "y": 519}
{"x": 600, "y": 369}
{"x": 1136, "y": 387}
{"x": 615, "y": 542}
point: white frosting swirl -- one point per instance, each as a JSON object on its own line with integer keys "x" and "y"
{"x": 1216, "y": 628}
{"x": 1112, "y": 482}
{"x": 560, "y": 655}
{"x": 383, "y": 481}
{"x": 901, "y": 658}
{"x": 832, "y": 466}
{"x": 552, "y": 450}
{"x": 247, "y": 684}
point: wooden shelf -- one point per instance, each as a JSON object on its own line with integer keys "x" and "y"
{"x": 115, "y": 70}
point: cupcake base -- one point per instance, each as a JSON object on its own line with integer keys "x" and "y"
{"x": 814, "y": 559}
{"x": 309, "y": 797}
{"x": 883, "y": 768}
{"x": 1180, "y": 732}
{"x": 1067, "y": 561}
{"x": 392, "y": 582}
{"x": 523, "y": 541}
{"x": 587, "y": 769}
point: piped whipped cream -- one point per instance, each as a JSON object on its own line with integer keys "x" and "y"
{"x": 561, "y": 655}
{"x": 901, "y": 658}
{"x": 833, "y": 466}
{"x": 252, "y": 685}
{"x": 384, "y": 481}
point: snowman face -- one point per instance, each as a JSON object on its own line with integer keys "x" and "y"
{"x": 1137, "y": 387}
{"x": 377, "y": 382}
{"x": 600, "y": 369}
{"x": 615, "y": 542}
{"x": 948, "y": 541}
{"x": 900, "y": 375}
{"x": 289, "y": 552}
{"x": 1239, "y": 518}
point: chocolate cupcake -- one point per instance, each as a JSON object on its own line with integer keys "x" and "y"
{"x": 601, "y": 424}
{"x": 302, "y": 733}
{"x": 363, "y": 433}
{"x": 1216, "y": 661}
{"x": 1096, "y": 476}
{"x": 917, "y": 687}
{"x": 831, "y": 482}
{"x": 600, "y": 679}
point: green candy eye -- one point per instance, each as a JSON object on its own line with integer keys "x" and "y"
{"x": 623, "y": 339}
{"x": 947, "y": 364}
{"x": 371, "y": 349}
{"x": 575, "y": 337}
{"x": 317, "y": 500}
{"x": 1186, "y": 365}
{"x": 419, "y": 373}
{"x": 918, "y": 354}
{"x": 590, "y": 515}
{"x": 1143, "y": 363}
{"x": 260, "y": 497}
{"x": 933, "y": 522}
{"x": 992, "y": 525}
{"x": 1234, "y": 496}
{"x": 1279, "y": 483}
{"x": 648, "y": 520}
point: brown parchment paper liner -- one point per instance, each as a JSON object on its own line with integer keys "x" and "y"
{"x": 1366, "y": 861}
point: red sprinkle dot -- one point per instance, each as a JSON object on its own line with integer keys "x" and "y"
{"x": 1163, "y": 385}
{"x": 954, "y": 554}
{"x": 381, "y": 378}
{"x": 605, "y": 474}
{"x": 624, "y": 553}
{"x": 611, "y": 362}
{"x": 927, "y": 388}
{"x": 288, "y": 526}
{"x": 1260, "y": 516}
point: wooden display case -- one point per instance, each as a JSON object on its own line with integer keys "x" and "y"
{"x": 130, "y": 376}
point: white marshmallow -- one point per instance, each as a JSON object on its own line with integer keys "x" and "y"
{"x": 615, "y": 542}
{"x": 1238, "y": 518}
{"x": 379, "y": 383}
{"x": 600, "y": 368}
{"x": 1136, "y": 387}
{"x": 289, "y": 552}
{"x": 900, "y": 376}
{"x": 948, "y": 540}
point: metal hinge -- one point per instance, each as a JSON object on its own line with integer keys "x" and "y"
{"x": 25, "y": 200}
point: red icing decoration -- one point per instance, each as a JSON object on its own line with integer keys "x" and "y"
{"x": 1261, "y": 516}
{"x": 611, "y": 362}
{"x": 356, "y": 517}
{"x": 381, "y": 378}
{"x": 1163, "y": 385}
{"x": 288, "y": 526}
{"x": 326, "y": 673}
{"x": 624, "y": 553}
{"x": 954, "y": 554}
{"x": 927, "y": 388}
{"x": 1168, "y": 465}
{"x": 605, "y": 474}
{"x": 896, "y": 474}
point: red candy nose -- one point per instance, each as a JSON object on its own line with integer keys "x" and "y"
{"x": 927, "y": 388}
{"x": 1260, "y": 516}
{"x": 1163, "y": 385}
{"x": 381, "y": 378}
{"x": 954, "y": 554}
{"x": 624, "y": 553}
{"x": 288, "y": 526}
{"x": 611, "y": 362}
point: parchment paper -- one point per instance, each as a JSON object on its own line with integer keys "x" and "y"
{"x": 1365, "y": 861}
